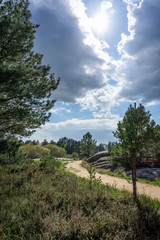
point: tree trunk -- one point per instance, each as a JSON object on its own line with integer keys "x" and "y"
{"x": 134, "y": 175}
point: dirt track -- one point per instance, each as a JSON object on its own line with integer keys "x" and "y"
{"x": 142, "y": 188}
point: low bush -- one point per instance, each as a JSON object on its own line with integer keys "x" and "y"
{"x": 75, "y": 156}
{"x": 56, "y": 151}
{"x": 39, "y": 202}
{"x": 51, "y": 163}
{"x": 34, "y": 151}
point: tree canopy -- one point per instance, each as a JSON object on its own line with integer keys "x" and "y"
{"x": 69, "y": 144}
{"x": 135, "y": 129}
{"x": 26, "y": 84}
{"x": 56, "y": 151}
{"x": 34, "y": 151}
{"x": 88, "y": 145}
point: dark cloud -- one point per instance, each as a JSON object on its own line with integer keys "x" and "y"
{"x": 143, "y": 72}
{"x": 61, "y": 41}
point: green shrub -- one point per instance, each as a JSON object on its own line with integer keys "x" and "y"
{"x": 38, "y": 203}
{"x": 9, "y": 151}
{"x": 75, "y": 156}
{"x": 34, "y": 151}
{"x": 56, "y": 151}
{"x": 51, "y": 162}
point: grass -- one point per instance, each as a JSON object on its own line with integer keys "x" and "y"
{"x": 41, "y": 201}
{"x": 120, "y": 174}
{"x": 155, "y": 182}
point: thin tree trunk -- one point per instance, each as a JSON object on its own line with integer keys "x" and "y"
{"x": 134, "y": 175}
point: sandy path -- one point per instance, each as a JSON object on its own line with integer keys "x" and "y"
{"x": 142, "y": 188}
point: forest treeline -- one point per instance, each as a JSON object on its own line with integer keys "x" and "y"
{"x": 14, "y": 150}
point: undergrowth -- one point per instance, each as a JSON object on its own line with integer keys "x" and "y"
{"x": 39, "y": 201}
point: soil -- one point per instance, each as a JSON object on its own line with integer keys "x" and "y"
{"x": 142, "y": 188}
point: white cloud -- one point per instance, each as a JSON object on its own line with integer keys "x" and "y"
{"x": 86, "y": 124}
{"x": 85, "y": 66}
{"x": 101, "y": 101}
{"x": 141, "y": 53}
{"x": 78, "y": 10}
{"x": 105, "y": 5}
{"x": 79, "y": 57}
{"x": 76, "y": 128}
{"x": 57, "y": 110}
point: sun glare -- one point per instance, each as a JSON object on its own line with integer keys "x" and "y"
{"x": 100, "y": 23}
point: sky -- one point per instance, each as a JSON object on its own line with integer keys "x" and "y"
{"x": 107, "y": 54}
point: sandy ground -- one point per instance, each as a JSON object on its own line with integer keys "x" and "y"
{"x": 142, "y": 188}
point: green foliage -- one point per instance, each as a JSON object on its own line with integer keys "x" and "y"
{"x": 101, "y": 147}
{"x": 43, "y": 203}
{"x": 45, "y": 142}
{"x": 135, "y": 129}
{"x": 51, "y": 163}
{"x": 9, "y": 151}
{"x": 92, "y": 173}
{"x": 88, "y": 145}
{"x": 34, "y": 151}
{"x": 26, "y": 85}
{"x": 134, "y": 132}
{"x": 120, "y": 157}
{"x": 75, "y": 156}
{"x": 69, "y": 144}
{"x": 56, "y": 151}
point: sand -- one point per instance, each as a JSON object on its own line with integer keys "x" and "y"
{"x": 142, "y": 188}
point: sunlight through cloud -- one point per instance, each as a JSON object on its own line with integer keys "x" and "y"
{"x": 101, "y": 21}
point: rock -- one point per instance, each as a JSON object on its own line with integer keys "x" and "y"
{"x": 148, "y": 173}
{"x": 100, "y": 160}
{"x": 97, "y": 156}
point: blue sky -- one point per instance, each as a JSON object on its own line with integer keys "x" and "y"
{"x": 107, "y": 54}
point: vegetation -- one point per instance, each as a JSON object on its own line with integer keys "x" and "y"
{"x": 75, "y": 156}
{"x": 88, "y": 145}
{"x": 9, "y": 151}
{"x": 69, "y": 144}
{"x": 121, "y": 174}
{"x": 119, "y": 156}
{"x": 39, "y": 201}
{"x": 37, "y": 151}
{"x": 135, "y": 129}
{"x": 56, "y": 151}
{"x": 34, "y": 151}
{"x": 26, "y": 84}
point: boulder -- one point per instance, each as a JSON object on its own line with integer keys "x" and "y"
{"x": 148, "y": 173}
{"x": 97, "y": 156}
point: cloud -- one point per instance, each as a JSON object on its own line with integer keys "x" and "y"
{"x": 70, "y": 47}
{"x": 100, "y": 128}
{"x": 89, "y": 76}
{"x": 141, "y": 53}
{"x": 60, "y": 109}
{"x": 106, "y": 5}
{"x": 92, "y": 124}
{"x": 136, "y": 74}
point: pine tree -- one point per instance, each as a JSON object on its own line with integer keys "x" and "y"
{"x": 26, "y": 84}
{"x": 88, "y": 145}
{"x": 135, "y": 129}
